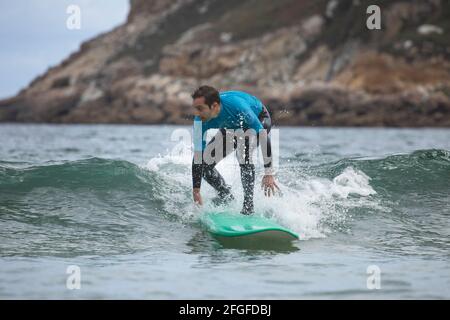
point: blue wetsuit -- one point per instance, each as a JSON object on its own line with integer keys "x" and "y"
{"x": 238, "y": 110}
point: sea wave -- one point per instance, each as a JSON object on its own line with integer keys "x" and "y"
{"x": 315, "y": 200}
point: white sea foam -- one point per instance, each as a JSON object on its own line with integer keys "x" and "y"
{"x": 303, "y": 208}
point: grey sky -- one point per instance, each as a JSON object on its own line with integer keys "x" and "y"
{"x": 34, "y": 36}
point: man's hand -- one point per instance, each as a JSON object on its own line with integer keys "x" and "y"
{"x": 197, "y": 196}
{"x": 268, "y": 184}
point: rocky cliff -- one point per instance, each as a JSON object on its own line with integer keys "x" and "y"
{"x": 312, "y": 62}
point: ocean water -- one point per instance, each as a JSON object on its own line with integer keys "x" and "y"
{"x": 372, "y": 207}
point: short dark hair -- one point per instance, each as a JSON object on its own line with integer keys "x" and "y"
{"x": 210, "y": 94}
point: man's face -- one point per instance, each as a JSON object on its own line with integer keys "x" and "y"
{"x": 202, "y": 110}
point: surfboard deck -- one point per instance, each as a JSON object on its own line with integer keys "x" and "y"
{"x": 228, "y": 226}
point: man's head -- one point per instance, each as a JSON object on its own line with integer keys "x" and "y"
{"x": 206, "y": 102}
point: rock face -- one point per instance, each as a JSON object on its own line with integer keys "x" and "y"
{"x": 311, "y": 62}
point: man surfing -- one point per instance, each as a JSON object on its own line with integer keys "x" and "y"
{"x": 232, "y": 112}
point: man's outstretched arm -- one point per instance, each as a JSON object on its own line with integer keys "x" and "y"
{"x": 197, "y": 173}
{"x": 266, "y": 149}
{"x": 268, "y": 182}
{"x": 197, "y": 161}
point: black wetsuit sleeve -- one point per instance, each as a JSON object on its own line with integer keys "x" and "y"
{"x": 267, "y": 125}
{"x": 197, "y": 172}
{"x": 197, "y": 161}
{"x": 267, "y": 156}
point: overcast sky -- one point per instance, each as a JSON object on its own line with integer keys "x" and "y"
{"x": 34, "y": 35}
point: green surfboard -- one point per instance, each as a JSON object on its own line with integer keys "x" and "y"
{"x": 227, "y": 226}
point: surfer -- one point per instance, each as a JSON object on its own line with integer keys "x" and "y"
{"x": 232, "y": 112}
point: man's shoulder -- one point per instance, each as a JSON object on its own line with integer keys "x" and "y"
{"x": 234, "y": 94}
{"x": 238, "y": 98}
